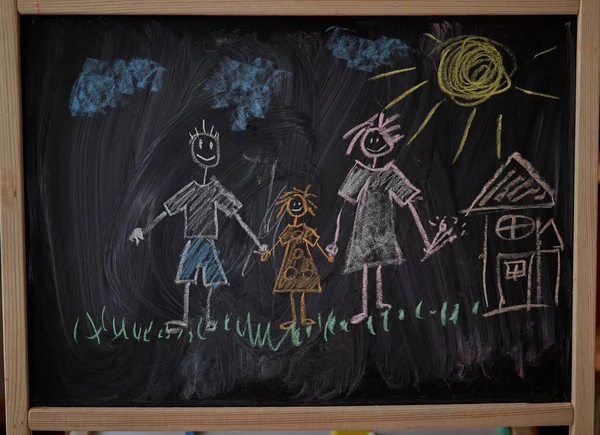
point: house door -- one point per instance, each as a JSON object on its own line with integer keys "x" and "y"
{"x": 514, "y": 277}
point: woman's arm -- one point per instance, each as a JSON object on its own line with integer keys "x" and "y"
{"x": 332, "y": 248}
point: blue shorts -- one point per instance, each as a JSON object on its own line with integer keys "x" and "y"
{"x": 199, "y": 254}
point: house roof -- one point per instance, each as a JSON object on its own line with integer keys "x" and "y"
{"x": 516, "y": 185}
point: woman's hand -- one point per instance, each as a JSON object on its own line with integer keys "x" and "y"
{"x": 332, "y": 249}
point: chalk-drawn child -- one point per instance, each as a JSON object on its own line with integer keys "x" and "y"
{"x": 374, "y": 191}
{"x": 298, "y": 272}
{"x": 199, "y": 203}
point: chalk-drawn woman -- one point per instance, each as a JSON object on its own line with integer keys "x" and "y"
{"x": 298, "y": 272}
{"x": 374, "y": 191}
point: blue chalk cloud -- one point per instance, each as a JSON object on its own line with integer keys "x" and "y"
{"x": 102, "y": 84}
{"x": 246, "y": 89}
{"x": 366, "y": 54}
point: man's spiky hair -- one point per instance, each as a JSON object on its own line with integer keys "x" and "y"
{"x": 196, "y": 134}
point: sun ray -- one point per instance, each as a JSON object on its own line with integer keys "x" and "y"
{"x": 499, "y": 136}
{"x": 398, "y": 71}
{"x": 432, "y": 37}
{"x": 425, "y": 121}
{"x": 537, "y": 94}
{"x": 465, "y": 134}
{"x": 405, "y": 94}
{"x": 545, "y": 52}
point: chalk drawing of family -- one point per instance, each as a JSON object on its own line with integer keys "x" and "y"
{"x": 373, "y": 190}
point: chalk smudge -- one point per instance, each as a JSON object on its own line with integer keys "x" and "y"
{"x": 366, "y": 54}
{"x": 247, "y": 89}
{"x": 102, "y": 84}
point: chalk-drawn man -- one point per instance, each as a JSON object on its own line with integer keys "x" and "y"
{"x": 199, "y": 203}
{"x": 374, "y": 191}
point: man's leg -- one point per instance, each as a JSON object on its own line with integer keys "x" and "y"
{"x": 365, "y": 283}
{"x": 174, "y": 326}
{"x": 213, "y": 277}
{"x": 380, "y": 303}
{"x": 211, "y": 324}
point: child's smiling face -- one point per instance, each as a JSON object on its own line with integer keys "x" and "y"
{"x": 296, "y": 207}
{"x": 205, "y": 150}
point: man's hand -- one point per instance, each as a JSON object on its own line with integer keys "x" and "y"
{"x": 332, "y": 250}
{"x": 136, "y": 236}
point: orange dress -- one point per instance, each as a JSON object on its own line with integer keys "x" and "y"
{"x": 298, "y": 272}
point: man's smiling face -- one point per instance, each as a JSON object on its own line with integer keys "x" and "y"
{"x": 205, "y": 150}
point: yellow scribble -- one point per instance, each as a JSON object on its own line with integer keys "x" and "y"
{"x": 405, "y": 94}
{"x": 545, "y": 52}
{"x": 499, "y": 136}
{"x": 538, "y": 94}
{"x": 391, "y": 73}
{"x": 425, "y": 121}
{"x": 432, "y": 37}
{"x": 471, "y": 70}
{"x": 465, "y": 134}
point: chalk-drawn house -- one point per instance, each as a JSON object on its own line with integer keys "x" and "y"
{"x": 521, "y": 243}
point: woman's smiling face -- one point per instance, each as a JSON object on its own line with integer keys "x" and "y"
{"x": 205, "y": 150}
{"x": 374, "y": 145}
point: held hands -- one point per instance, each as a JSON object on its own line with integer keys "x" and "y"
{"x": 265, "y": 256}
{"x": 264, "y": 252}
{"x": 332, "y": 250}
{"x": 136, "y": 236}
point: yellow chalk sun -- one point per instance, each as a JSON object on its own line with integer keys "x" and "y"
{"x": 471, "y": 70}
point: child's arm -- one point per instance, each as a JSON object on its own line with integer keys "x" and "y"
{"x": 329, "y": 257}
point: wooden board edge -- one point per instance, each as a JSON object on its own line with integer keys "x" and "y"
{"x": 12, "y": 224}
{"x": 523, "y": 431}
{"x": 585, "y": 217}
{"x": 303, "y": 418}
{"x": 295, "y": 7}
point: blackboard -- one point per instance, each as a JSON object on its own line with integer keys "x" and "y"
{"x": 464, "y": 219}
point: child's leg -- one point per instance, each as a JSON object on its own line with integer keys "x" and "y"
{"x": 289, "y": 323}
{"x": 380, "y": 303}
{"x": 303, "y": 319}
{"x": 365, "y": 283}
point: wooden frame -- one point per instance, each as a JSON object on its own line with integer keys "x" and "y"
{"x": 578, "y": 414}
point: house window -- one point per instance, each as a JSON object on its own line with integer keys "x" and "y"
{"x": 515, "y": 269}
{"x": 514, "y": 227}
